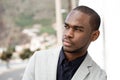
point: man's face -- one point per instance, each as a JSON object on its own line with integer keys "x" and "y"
{"x": 77, "y": 32}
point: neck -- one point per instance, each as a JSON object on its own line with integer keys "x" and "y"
{"x": 73, "y": 56}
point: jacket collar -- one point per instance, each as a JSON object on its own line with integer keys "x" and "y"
{"x": 83, "y": 70}
{"x": 52, "y": 63}
{"x": 80, "y": 74}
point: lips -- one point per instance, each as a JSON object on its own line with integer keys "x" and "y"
{"x": 67, "y": 42}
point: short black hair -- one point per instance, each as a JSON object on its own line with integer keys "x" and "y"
{"x": 95, "y": 18}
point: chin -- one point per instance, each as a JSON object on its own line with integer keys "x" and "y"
{"x": 68, "y": 49}
{"x": 72, "y": 50}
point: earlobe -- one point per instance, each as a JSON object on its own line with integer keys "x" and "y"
{"x": 95, "y": 35}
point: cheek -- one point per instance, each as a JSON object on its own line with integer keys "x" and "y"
{"x": 82, "y": 40}
{"x": 63, "y": 35}
{"x": 64, "y": 32}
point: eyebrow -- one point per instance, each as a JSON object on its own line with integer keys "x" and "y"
{"x": 66, "y": 24}
{"x": 74, "y": 25}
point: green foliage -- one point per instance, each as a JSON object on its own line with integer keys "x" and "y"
{"x": 7, "y": 54}
{"x": 48, "y": 30}
{"x": 64, "y": 15}
{"x": 11, "y": 49}
{"x": 45, "y": 22}
{"x": 26, "y": 54}
{"x": 24, "y": 20}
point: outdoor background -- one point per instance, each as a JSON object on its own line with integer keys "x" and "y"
{"x": 30, "y": 25}
{"x": 25, "y": 27}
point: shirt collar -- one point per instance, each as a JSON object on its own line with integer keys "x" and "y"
{"x": 62, "y": 57}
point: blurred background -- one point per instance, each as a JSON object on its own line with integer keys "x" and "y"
{"x": 27, "y": 26}
{"x": 30, "y": 25}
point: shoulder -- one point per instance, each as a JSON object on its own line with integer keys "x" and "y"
{"x": 47, "y": 52}
{"x": 96, "y": 71}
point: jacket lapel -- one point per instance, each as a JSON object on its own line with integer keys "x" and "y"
{"x": 52, "y": 64}
{"x": 83, "y": 70}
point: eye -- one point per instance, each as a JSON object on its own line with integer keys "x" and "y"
{"x": 66, "y": 26}
{"x": 78, "y": 29}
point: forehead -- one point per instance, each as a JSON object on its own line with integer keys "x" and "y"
{"x": 78, "y": 18}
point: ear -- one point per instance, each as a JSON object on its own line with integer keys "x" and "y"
{"x": 95, "y": 35}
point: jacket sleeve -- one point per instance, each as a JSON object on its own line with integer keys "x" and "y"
{"x": 103, "y": 76}
{"x": 29, "y": 73}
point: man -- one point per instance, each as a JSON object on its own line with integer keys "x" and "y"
{"x": 71, "y": 61}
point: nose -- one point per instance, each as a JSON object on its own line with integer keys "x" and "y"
{"x": 69, "y": 33}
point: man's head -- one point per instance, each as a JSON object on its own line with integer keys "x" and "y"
{"x": 81, "y": 27}
{"x": 95, "y": 18}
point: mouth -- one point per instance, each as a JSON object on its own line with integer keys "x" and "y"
{"x": 67, "y": 42}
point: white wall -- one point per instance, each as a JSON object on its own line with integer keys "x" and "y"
{"x": 112, "y": 30}
{"x": 110, "y": 52}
